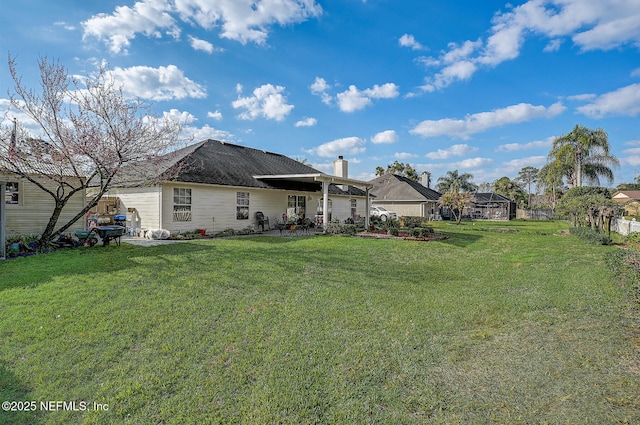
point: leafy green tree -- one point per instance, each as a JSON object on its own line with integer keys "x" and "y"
{"x": 587, "y": 206}
{"x": 583, "y": 155}
{"x": 550, "y": 177}
{"x": 399, "y": 168}
{"x": 510, "y": 189}
{"x": 485, "y": 187}
{"x": 528, "y": 176}
{"x": 453, "y": 181}
{"x": 628, "y": 186}
{"x": 456, "y": 202}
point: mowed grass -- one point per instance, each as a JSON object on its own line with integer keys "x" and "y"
{"x": 484, "y": 327}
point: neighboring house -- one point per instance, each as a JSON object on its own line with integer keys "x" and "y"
{"x": 26, "y": 209}
{"x": 405, "y": 196}
{"x": 216, "y": 185}
{"x": 631, "y": 199}
{"x": 491, "y": 206}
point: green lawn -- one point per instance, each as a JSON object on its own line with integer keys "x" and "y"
{"x": 484, "y": 327}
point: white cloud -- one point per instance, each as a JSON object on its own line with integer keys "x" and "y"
{"x": 353, "y": 99}
{"x": 404, "y": 155}
{"x": 476, "y": 123}
{"x": 216, "y": 115}
{"x": 465, "y": 164}
{"x": 512, "y": 147}
{"x": 241, "y": 20}
{"x": 624, "y": 101}
{"x": 473, "y": 163}
{"x": 553, "y": 45}
{"x": 633, "y": 151}
{"x": 631, "y": 156}
{"x": 408, "y": 40}
{"x": 267, "y": 101}
{"x": 592, "y": 25}
{"x": 387, "y": 136}
{"x": 635, "y": 72}
{"x": 455, "y": 150}
{"x": 184, "y": 118}
{"x": 319, "y": 88}
{"x": 198, "y": 44}
{"x": 65, "y": 25}
{"x": 345, "y": 146}
{"x": 306, "y": 122}
{"x": 582, "y": 97}
{"x": 515, "y": 165}
{"x": 207, "y": 132}
{"x": 150, "y": 17}
{"x": 163, "y": 83}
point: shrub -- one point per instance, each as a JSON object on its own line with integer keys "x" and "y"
{"x": 413, "y": 221}
{"x": 624, "y": 264}
{"x": 418, "y": 232}
{"x": 588, "y": 235}
{"x": 341, "y": 229}
{"x": 632, "y": 237}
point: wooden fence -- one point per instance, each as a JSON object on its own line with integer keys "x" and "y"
{"x": 534, "y": 214}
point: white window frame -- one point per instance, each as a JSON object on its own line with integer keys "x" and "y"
{"x": 17, "y": 193}
{"x": 182, "y": 201}
{"x": 242, "y": 205}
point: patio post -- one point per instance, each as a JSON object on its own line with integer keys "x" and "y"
{"x": 325, "y": 205}
{"x": 366, "y": 209}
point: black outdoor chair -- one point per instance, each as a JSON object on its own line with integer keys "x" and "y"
{"x": 262, "y": 220}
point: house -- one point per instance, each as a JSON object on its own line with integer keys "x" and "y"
{"x": 26, "y": 208}
{"x": 405, "y": 196}
{"x": 489, "y": 205}
{"x": 215, "y": 185}
{"x": 631, "y": 199}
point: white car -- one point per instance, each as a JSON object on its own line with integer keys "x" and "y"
{"x": 382, "y": 213}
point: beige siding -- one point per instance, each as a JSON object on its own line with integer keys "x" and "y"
{"x": 145, "y": 200}
{"x": 214, "y": 207}
{"x": 31, "y": 215}
{"x": 414, "y": 209}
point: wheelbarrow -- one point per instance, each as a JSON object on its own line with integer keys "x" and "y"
{"x": 106, "y": 233}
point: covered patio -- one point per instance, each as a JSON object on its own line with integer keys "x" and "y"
{"x": 323, "y": 180}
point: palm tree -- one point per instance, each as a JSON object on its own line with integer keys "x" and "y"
{"x": 583, "y": 155}
{"x": 455, "y": 182}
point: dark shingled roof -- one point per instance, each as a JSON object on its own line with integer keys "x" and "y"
{"x": 393, "y": 187}
{"x": 488, "y": 197}
{"x": 220, "y": 163}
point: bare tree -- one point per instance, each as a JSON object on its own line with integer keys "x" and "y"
{"x": 88, "y": 130}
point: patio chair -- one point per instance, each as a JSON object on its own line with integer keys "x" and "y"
{"x": 262, "y": 220}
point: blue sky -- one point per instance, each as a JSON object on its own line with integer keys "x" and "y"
{"x": 478, "y": 86}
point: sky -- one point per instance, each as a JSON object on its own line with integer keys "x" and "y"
{"x": 481, "y": 87}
